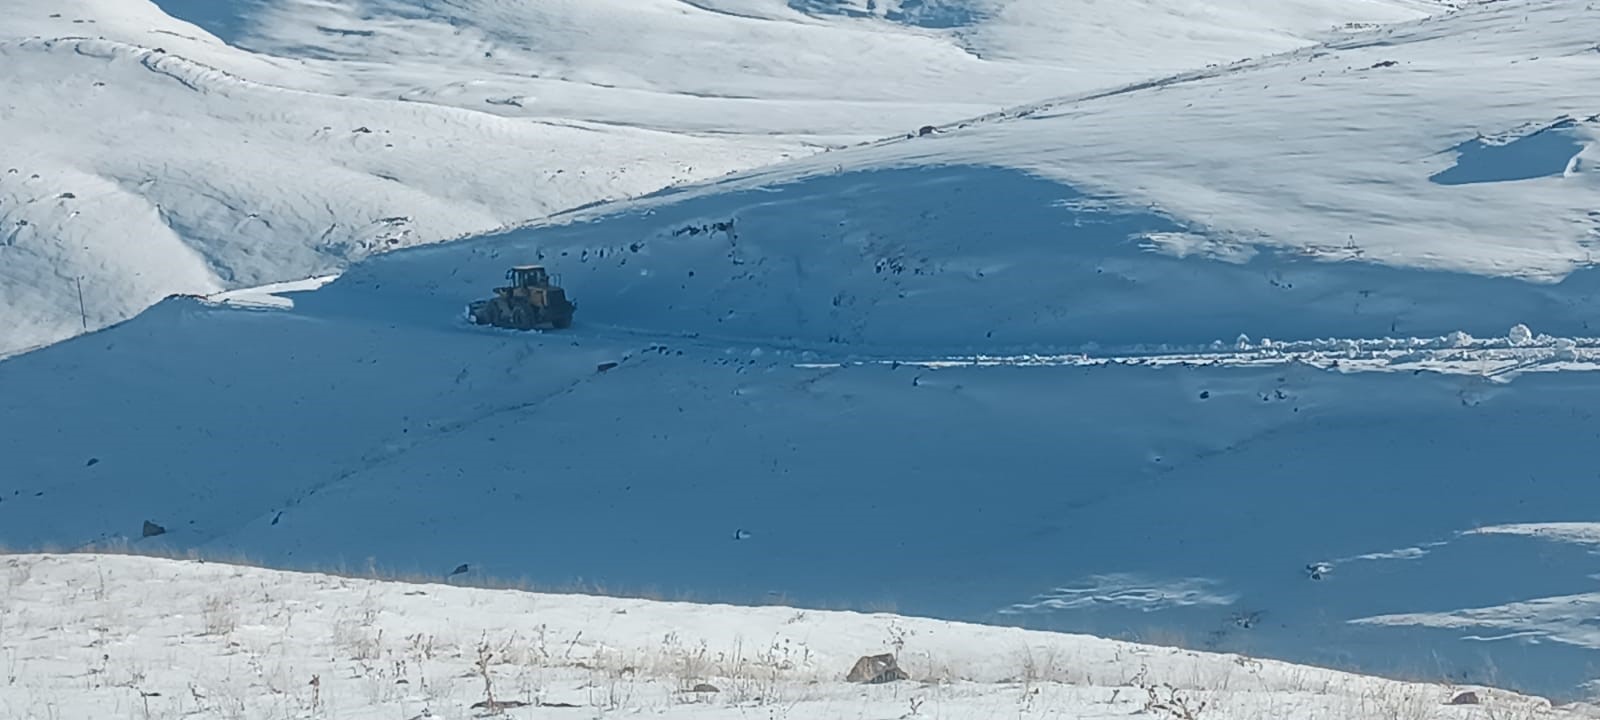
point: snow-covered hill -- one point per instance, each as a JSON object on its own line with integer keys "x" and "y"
{"x": 106, "y": 636}
{"x": 236, "y": 184}
{"x": 160, "y": 159}
{"x": 992, "y": 373}
{"x": 1419, "y": 180}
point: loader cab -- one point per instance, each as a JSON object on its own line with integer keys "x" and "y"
{"x": 528, "y": 276}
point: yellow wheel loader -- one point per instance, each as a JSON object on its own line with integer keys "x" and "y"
{"x": 528, "y": 301}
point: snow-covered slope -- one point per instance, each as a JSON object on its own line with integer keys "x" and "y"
{"x": 157, "y": 158}
{"x": 796, "y": 411}
{"x": 105, "y": 636}
{"x": 1181, "y": 501}
{"x": 234, "y": 184}
{"x": 1418, "y": 180}
{"x": 820, "y": 68}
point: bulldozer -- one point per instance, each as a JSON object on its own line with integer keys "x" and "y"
{"x": 528, "y": 301}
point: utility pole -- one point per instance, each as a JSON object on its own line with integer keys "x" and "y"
{"x": 83, "y": 312}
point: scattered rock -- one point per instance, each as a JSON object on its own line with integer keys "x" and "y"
{"x": 92, "y": 462}
{"x": 461, "y": 569}
{"x": 363, "y": 130}
{"x": 1205, "y": 394}
{"x": 725, "y": 226}
{"x": 602, "y": 367}
{"x": 704, "y": 688}
{"x": 498, "y": 705}
{"x": 1464, "y": 698}
{"x": 151, "y": 529}
{"x": 741, "y": 534}
{"x": 1384, "y": 64}
{"x": 876, "y": 669}
{"x": 67, "y": 196}
{"x": 926, "y": 130}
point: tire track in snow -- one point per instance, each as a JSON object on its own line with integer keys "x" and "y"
{"x": 391, "y": 451}
{"x": 1498, "y": 358}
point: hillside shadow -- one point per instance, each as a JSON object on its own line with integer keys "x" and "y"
{"x": 933, "y": 14}
{"x": 226, "y": 19}
{"x": 1007, "y": 261}
{"x": 1543, "y": 153}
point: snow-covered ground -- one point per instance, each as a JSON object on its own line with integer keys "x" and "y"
{"x": 246, "y": 142}
{"x": 97, "y": 636}
{"x": 1290, "y": 357}
{"x": 1182, "y": 499}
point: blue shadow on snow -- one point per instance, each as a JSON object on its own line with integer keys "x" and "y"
{"x": 936, "y": 14}
{"x": 226, "y": 19}
{"x": 1543, "y": 153}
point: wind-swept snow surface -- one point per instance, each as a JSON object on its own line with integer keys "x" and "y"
{"x": 254, "y": 141}
{"x": 102, "y": 636}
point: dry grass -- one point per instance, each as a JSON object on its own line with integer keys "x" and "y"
{"x": 378, "y": 666}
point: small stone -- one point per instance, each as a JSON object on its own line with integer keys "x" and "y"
{"x": 876, "y": 669}
{"x": 151, "y": 529}
{"x": 1464, "y": 698}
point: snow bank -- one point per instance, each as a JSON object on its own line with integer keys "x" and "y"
{"x": 89, "y": 635}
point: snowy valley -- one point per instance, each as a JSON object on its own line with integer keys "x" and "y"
{"x": 1275, "y": 343}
